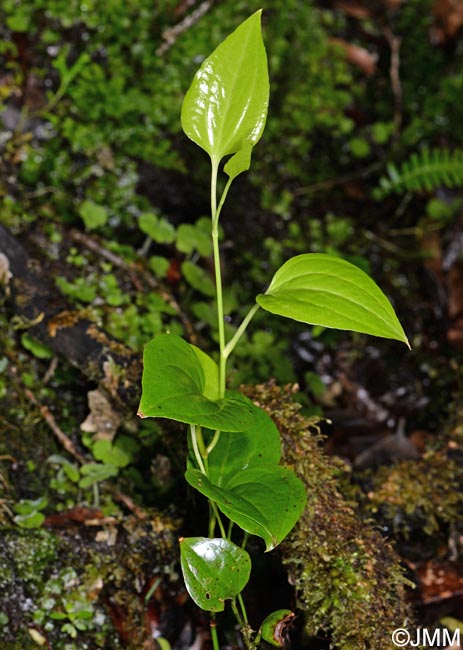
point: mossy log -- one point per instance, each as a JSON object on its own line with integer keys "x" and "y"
{"x": 40, "y": 307}
{"x": 348, "y": 579}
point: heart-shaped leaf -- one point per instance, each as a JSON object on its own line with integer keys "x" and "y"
{"x": 214, "y": 570}
{"x": 265, "y": 501}
{"x": 234, "y": 452}
{"x": 326, "y": 290}
{"x": 226, "y": 104}
{"x": 175, "y": 386}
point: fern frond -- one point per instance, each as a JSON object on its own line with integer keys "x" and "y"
{"x": 424, "y": 172}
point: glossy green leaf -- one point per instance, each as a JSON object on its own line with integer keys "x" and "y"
{"x": 226, "y": 104}
{"x": 234, "y": 452}
{"x": 174, "y": 386}
{"x": 240, "y": 162}
{"x": 266, "y": 501}
{"x": 325, "y": 290}
{"x": 214, "y": 570}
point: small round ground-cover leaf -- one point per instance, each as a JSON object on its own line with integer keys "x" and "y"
{"x": 174, "y": 386}
{"x": 325, "y": 290}
{"x": 266, "y": 501}
{"x": 214, "y": 570}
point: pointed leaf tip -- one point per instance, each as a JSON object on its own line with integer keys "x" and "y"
{"x": 326, "y": 290}
{"x": 226, "y": 104}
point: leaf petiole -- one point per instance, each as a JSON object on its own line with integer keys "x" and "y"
{"x": 213, "y": 442}
{"x": 213, "y": 626}
{"x": 243, "y": 608}
{"x": 222, "y": 200}
{"x": 240, "y": 331}
{"x": 218, "y": 274}
{"x": 197, "y": 453}
{"x": 216, "y": 512}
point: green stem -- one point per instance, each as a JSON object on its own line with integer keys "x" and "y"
{"x": 96, "y": 495}
{"x": 218, "y": 279}
{"x": 237, "y": 613}
{"x": 194, "y": 442}
{"x": 201, "y": 444}
{"x": 247, "y": 633}
{"x": 218, "y": 275}
{"x": 213, "y": 442}
{"x": 218, "y": 518}
{"x": 212, "y": 520}
{"x": 152, "y": 589}
{"x": 222, "y": 199}
{"x": 230, "y": 529}
{"x": 215, "y": 640}
{"x": 240, "y": 331}
{"x": 243, "y": 609}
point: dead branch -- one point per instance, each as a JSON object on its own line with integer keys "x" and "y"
{"x": 64, "y": 440}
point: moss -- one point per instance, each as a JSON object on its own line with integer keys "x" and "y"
{"x": 348, "y": 579}
{"x": 84, "y": 586}
{"x": 25, "y": 561}
{"x": 423, "y": 495}
{"x": 25, "y": 555}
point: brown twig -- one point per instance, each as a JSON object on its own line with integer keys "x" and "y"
{"x": 171, "y": 35}
{"x": 50, "y": 420}
{"x": 394, "y": 75}
{"x": 70, "y": 448}
{"x": 130, "y": 504}
{"x": 51, "y": 370}
{"x": 94, "y": 245}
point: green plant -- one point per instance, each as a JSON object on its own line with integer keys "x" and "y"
{"x": 28, "y": 512}
{"x": 235, "y": 445}
{"x": 66, "y": 602}
{"x": 423, "y": 172}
